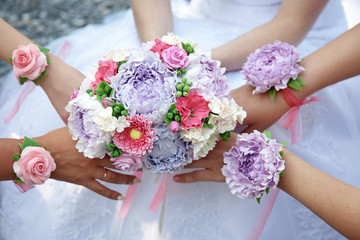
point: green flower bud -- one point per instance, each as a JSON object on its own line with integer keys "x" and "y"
{"x": 186, "y": 88}
{"x": 177, "y": 118}
{"x": 124, "y": 113}
{"x": 183, "y": 71}
{"x": 178, "y": 94}
{"x": 91, "y": 94}
{"x": 189, "y": 84}
{"x": 89, "y": 91}
{"x": 172, "y": 106}
{"x": 116, "y": 153}
{"x": 184, "y": 79}
{"x": 166, "y": 119}
{"x": 185, "y": 94}
{"x": 175, "y": 112}
{"x": 210, "y": 126}
{"x": 170, "y": 115}
{"x": 180, "y": 86}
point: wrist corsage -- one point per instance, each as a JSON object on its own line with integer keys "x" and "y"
{"x": 254, "y": 165}
{"x": 29, "y": 63}
{"x": 274, "y": 67}
{"x": 33, "y": 165}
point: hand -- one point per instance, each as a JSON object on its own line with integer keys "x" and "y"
{"x": 73, "y": 167}
{"x": 261, "y": 111}
{"x": 211, "y": 165}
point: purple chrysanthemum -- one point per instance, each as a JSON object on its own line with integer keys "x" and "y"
{"x": 169, "y": 152}
{"x": 208, "y": 77}
{"x": 253, "y": 165}
{"x": 145, "y": 86}
{"x": 272, "y": 65}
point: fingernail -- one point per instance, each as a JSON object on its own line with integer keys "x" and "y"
{"x": 136, "y": 181}
{"x": 121, "y": 198}
{"x": 176, "y": 178}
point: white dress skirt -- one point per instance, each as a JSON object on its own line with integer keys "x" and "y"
{"x": 199, "y": 211}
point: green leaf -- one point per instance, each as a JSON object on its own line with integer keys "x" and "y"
{"x": 28, "y": 142}
{"x": 48, "y": 61}
{"x": 258, "y": 200}
{"x": 224, "y": 136}
{"x": 44, "y": 50}
{"x": 15, "y": 157}
{"x": 18, "y": 180}
{"x": 40, "y": 78}
{"x": 294, "y": 84}
{"x": 267, "y": 134}
{"x": 282, "y": 174}
{"x": 300, "y": 81}
{"x": 44, "y": 73}
{"x": 10, "y": 59}
{"x": 284, "y": 143}
{"x": 267, "y": 190}
{"x": 272, "y": 92}
{"x": 23, "y": 80}
{"x": 281, "y": 154}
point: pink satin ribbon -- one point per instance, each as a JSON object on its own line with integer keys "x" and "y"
{"x": 23, "y": 187}
{"x": 291, "y": 119}
{"x": 262, "y": 218}
{"x": 30, "y": 86}
{"x": 129, "y": 196}
{"x": 159, "y": 196}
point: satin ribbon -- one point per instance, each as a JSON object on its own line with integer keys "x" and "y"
{"x": 159, "y": 196}
{"x": 262, "y": 218}
{"x": 129, "y": 196}
{"x": 291, "y": 119}
{"x": 30, "y": 86}
{"x": 23, "y": 187}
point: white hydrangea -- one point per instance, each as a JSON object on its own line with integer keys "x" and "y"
{"x": 225, "y": 114}
{"x": 117, "y": 55}
{"x": 202, "y": 139}
{"x": 108, "y": 123}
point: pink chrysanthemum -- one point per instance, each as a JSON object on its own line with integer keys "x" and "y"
{"x": 137, "y": 138}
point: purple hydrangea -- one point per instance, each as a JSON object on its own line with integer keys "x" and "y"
{"x": 208, "y": 77}
{"x": 253, "y": 165}
{"x": 145, "y": 86}
{"x": 273, "y": 65}
{"x": 91, "y": 140}
{"x": 169, "y": 151}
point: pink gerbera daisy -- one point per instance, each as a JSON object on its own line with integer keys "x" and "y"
{"x": 137, "y": 138}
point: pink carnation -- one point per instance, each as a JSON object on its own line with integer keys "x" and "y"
{"x": 192, "y": 109}
{"x": 106, "y": 70}
{"x": 75, "y": 94}
{"x": 34, "y": 166}
{"x": 137, "y": 138}
{"x": 175, "y": 57}
{"x": 126, "y": 162}
{"x": 28, "y": 61}
{"x": 159, "y": 47}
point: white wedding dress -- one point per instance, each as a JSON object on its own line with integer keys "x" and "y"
{"x": 200, "y": 211}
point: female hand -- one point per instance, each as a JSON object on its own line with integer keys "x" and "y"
{"x": 73, "y": 167}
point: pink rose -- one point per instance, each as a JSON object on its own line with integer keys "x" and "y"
{"x": 106, "y": 70}
{"x": 126, "y": 162}
{"x": 174, "y": 126}
{"x": 28, "y": 61}
{"x": 175, "y": 57}
{"x": 192, "y": 108}
{"x": 34, "y": 166}
{"x": 159, "y": 47}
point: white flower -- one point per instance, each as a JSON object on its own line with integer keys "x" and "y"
{"x": 117, "y": 55}
{"x": 108, "y": 123}
{"x": 202, "y": 139}
{"x": 172, "y": 39}
{"x": 225, "y": 114}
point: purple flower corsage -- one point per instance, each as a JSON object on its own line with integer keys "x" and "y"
{"x": 274, "y": 67}
{"x": 253, "y": 165}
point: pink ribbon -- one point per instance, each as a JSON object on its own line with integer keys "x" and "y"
{"x": 262, "y": 218}
{"x": 23, "y": 187}
{"x": 291, "y": 119}
{"x": 30, "y": 86}
{"x": 129, "y": 196}
{"x": 159, "y": 196}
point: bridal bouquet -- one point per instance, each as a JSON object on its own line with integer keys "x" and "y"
{"x": 159, "y": 106}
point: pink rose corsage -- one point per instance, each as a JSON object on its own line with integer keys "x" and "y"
{"x": 29, "y": 63}
{"x": 33, "y": 166}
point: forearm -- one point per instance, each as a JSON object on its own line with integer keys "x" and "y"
{"x": 8, "y": 147}
{"x": 336, "y": 202}
{"x": 336, "y": 61}
{"x": 153, "y": 18}
{"x": 61, "y": 79}
{"x": 291, "y": 24}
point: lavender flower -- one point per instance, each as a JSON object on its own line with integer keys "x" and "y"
{"x": 91, "y": 140}
{"x": 253, "y": 165}
{"x": 169, "y": 152}
{"x": 273, "y": 65}
{"x": 207, "y": 77}
{"x": 145, "y": 86}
